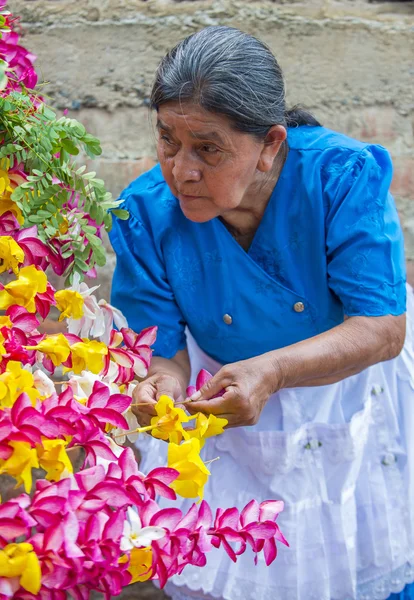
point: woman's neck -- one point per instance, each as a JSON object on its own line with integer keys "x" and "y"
{"x": 243, "y": 221}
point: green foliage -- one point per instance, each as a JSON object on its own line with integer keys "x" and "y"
{"x": 58, "y": 195}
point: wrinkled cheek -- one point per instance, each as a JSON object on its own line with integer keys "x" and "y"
{"x": 166, "y": 169}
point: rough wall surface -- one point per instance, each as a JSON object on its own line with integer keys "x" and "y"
{"x": 350, "y": 62}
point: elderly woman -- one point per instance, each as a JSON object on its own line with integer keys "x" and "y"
{"x": 268, "y": 251}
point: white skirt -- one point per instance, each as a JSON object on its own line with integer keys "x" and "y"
{"x": 341, "y": 457}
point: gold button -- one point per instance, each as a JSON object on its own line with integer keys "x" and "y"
{"x": 299, "y": 307}
{"x": 227, "y": 319}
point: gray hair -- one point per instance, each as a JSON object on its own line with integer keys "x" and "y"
{"x": 229, "y": 72}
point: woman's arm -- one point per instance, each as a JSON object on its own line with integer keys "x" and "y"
{"x": 347, "y": 349}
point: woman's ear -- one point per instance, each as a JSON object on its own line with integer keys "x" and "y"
{"x": 271, "y": 146}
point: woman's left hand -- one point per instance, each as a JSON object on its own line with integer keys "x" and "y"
{"x": 247, "y": 386}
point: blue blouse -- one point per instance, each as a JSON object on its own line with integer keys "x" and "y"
{"x": 329, "y": 244}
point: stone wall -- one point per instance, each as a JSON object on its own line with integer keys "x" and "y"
{"x": 350, "y": 62}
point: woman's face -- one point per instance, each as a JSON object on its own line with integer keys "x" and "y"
{"x": 209, "y": 167}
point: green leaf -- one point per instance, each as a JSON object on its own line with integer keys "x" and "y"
{"x": 35, "y": 219}
{"x": 70, "y": 147}
{"x": 121, "y": 213}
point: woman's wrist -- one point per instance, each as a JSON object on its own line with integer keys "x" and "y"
{"x": 276, "y": 370}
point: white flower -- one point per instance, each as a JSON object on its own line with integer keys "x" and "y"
{"x": 111, "y": 316}
{"x": 98, "y": 317}
{"x": 82, "y": 385}
{"x": 136, "y": 536}
{"x": 116, "y": 449}
{"x": 43, "y": 383}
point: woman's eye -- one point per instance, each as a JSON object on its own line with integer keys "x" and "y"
{"x": 166, "y": 139}
{"x": 209, "y": 149}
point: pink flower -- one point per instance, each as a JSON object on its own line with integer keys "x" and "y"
{"x": 23, "y": 423}
{"x": 19, "y": 60}
{"x": 35, "y": 251}
{"x": 134, "y": 356}
{"x": 21, "y": 318}
{"x": 256, "y": 525}
{"x": 15, "y": 521}
{"x": 201, "y": 380}
{"x": 14, "y": 341}
{"x": 8, "y": 224}
{"x": 105, "y": 408}
{"x": 45, "y": 301}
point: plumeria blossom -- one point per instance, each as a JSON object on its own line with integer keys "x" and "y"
{"x": 193, "y": 474}
{"x": 140, "y": 563}
{"x": 206, "y": 427}
{"x": 89, "y": 354}
{"x": 11, "y": 254}
{"x": 70, "y": 304}
{"x": 54, "y": 459}
{"x": 23, "y": 290}
{"x": 43, "y": 384}
{"x": 20, "y": 561}
{"x": 35, "y": 251}
{"x": 13, "y": 382}
{"x": 55, "y": 347}
{"x": 134, "y": 356}
{"x": 20, "y": 463}
{"x": 20, "y": 62}
{"x": 98, "y": 317}
{"x": 256, "y": 526}
{"x": 167, "y": 425}
{"x": 201, "y": 380}
{"x": 137, "y": 536}
{"x": 9, "y": 225}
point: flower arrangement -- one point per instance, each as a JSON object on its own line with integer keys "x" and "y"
{"x": 100, "y": 528}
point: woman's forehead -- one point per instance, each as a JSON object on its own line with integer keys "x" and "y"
{"x": 192, "y": 119}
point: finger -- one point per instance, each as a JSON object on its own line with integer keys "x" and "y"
{"x": 168, "y": 387}
{"x": 144, "y": 393}
{"x": 143, "y": 420}
{"x": 212, "y": 388}
{"x": 214, "y": 406}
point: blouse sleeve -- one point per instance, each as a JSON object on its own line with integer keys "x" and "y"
{"x": 140, "y": 287}
{"x": 365, "y": 253}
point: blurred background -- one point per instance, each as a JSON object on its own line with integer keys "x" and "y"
{"x": 351, "y": 62}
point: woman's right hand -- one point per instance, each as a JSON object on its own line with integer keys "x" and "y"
{"x": 147, "y": 393}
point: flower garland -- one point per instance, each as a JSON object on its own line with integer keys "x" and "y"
{"x": 98, "y": 529}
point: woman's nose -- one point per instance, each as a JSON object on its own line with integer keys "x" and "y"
{"x": 185, "y": 169}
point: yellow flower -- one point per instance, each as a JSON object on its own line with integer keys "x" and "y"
{"x": 19, "y": 560}
{"x": 7, "y": 205}
{"x": 88, "y": 356}
{"x": 11, "y": 254}
{"x": 54, "y": 460}
{"x": 14, "y": 381}
{"x": 7, "y": 185}
{"x": 2, "y": 348}
{"x": 207, "y": 427}
{"x": 64, "y": 226}
{"x": 21, "y": 463}
{"x": 5, "y": 321}
{"x": 70, "y": 304}
{"x": 140, "y": 562}
{"x": 56, "y": 347}
{"x": 168, "y": 422}
{"x": 22, "y": 291}
{"x": 193, "y": 474}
